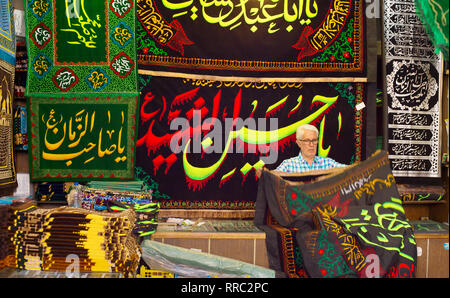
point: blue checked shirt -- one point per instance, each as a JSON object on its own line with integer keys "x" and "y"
{"x": 299, "y": 165}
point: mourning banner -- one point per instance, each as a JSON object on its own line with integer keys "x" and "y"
{"x": 349, "y": 224}
{"x": 252, "y": 38}
{"x": 81, "y": 48}
{"x": 81, "y": 89}
{"x": 202, "y": 140}
{"x": 413, "y": 87}
{"x": 76, "y": 139}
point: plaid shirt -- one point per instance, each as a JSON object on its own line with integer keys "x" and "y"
{"x": 299, "y": 165}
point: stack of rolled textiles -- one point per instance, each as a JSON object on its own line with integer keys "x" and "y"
{"x": 73, "y": 238}
{"x": 97, "y": 195}
{"x": 136, "y": 186}
{"x": 120, "y": 196}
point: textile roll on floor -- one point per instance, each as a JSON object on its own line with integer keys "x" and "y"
{"x": 59, "y": 239}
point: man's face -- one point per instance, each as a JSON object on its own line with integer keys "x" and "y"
{"x": 308, "y": 144}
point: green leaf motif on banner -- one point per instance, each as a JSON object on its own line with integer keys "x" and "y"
{"x": 145, "y": 43}
{"x": 340, "y": 50}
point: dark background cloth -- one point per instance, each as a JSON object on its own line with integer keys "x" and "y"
{"x": 161, "y": 99}
{"x": 211, "y": 49}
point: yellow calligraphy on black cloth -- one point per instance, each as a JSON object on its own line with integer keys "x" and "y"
{"x": 315, "y": 40}
{"x": 169, "y": 34}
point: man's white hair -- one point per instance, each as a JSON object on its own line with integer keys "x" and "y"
{"x": 301, "y": 130}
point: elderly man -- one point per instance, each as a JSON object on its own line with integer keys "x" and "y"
{"x": 307, "y": 137}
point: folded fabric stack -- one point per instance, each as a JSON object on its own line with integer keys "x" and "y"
{"x": 4, "y": 239}
{"x": 75, "y": 239}
{"x": 146, "y": 216}
{"x": 52, "y": 191}
{"x": 130, "y": 186}
{"x": 99, "y": 199}
{"x": 116, "y": 196}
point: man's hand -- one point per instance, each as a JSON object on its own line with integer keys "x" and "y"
{"x": 258, "y": 172}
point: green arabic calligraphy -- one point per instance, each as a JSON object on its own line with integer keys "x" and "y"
{"x": 251, "y": 136}
{"x": 83, "y": 26}
{"x": 387, "y": 225}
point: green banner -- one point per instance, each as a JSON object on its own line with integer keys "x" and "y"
{"x": 82, "y": 138}
{"x": 81, "y": 48}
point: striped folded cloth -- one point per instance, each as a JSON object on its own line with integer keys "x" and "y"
{"x": 60, "y": 238}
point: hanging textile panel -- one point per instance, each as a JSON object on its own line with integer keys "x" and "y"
{"x": 80, "y": 47}
{"x": 7, "y": 33}
{"x": 413, "y": 84}
{"x": 20, "y": 128}
{"x": 7, "y": 72}
{"x": 434, "y": 16}
{"x": 76, "y": 139}
{"x": 7, "y": 167}
{"x": 253, "y": 38}
{"x": 349, "y": 224}
{"x": 202, "y": 140}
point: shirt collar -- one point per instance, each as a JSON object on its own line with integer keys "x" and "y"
{"x": 302, "y": 159}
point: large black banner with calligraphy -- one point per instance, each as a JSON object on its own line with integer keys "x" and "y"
{"x": 202, "y": 140}
{"x": 79, "y": 139}
{"x": 350, "y": 224}
{"x": 288, "y": 38}
{"x": 413, "y": 83}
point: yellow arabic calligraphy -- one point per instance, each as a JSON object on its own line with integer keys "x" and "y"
{"x": 40, "y": 7}
{"x": 98, "y": 79}
{"x": 41, "y": 65}
{"x": 51, "y": 124}
{"x": 78, "y": 127}
{"x": 154, "y": 22}
{"x": 232, "y": 13}
{"x": 332, "y": 25}
{"x": 84, "y": 27}
{"x": 122, "y": 35}
{"x": 348, "y": 242}
{"x": 252, "y": 136}
{"x": 6, "y": 99}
